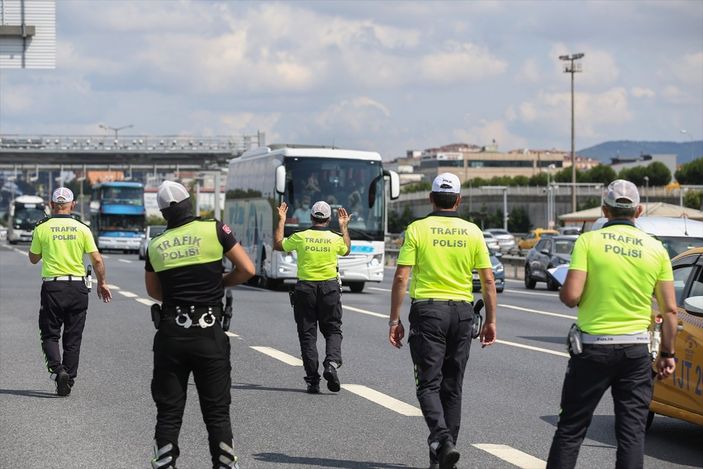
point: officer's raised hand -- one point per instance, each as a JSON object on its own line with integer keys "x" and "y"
{"x": 282, "y": 211}
{"x": 343, "y": 217}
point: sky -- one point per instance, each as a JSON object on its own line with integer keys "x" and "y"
{"x": 386, "y": 76}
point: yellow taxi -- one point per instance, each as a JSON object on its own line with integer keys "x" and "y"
{"x": 681, "y": 395}
{"x": 533, "y": 236}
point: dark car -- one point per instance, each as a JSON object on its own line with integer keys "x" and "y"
{"x": 547, "y": 253}
{"x": 498, "y": 273}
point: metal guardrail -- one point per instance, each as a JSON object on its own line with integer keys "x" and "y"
{"x": 125, "y": 143}
{"x": 514, "y": 265}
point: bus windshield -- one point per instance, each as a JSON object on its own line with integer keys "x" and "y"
{"x": 25, "y": 218}
{"x": 356, "y": 185}
{"x": 122, "y": 195}
{"x": 122, "y": 223}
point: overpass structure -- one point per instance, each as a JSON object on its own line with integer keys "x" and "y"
{"x": 125, "y": 152}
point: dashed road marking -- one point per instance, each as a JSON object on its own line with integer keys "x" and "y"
{"x": 128, "y": 294}
{"x": 278, "y": 355}
{"x": 383, "y": 400}
{"x": 530, "y": 347}
{"x": 231, "y": 334}
{"x": 536, "y": 311}
{"x": 113, "y": 287}
{"x": 380, "y": 289}
{"x": 532, "y": 293}
{"x": 143, "y": 301}
{"x": 365, "y": 311}
{"x": 126, "y": 261}
{"x": 513, "y": 456}
{"x": 105, "y": 256}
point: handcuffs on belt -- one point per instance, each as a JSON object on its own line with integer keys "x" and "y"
{"x": 183, "y": 319}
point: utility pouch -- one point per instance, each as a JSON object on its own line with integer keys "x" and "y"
{"x": 574, "y": 342}
{"x": 156, "y": 315}
{"x": 291, "y": 296}
{"x": 227, "y": 311}
{"x": 477, "y": 325}
{"x": 88, "y": 279}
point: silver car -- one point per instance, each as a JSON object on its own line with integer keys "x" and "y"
{"x": 547, "y": 253}
{"x": 491, "y": 242}
{"x": 151, "y": 231}
{"x": 506, "y": 241}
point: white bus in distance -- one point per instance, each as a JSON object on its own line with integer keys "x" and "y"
{"x": 262, "y": 178}
{"x": 25, "y": 212}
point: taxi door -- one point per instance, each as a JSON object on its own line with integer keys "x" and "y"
{"x": 681, "y": 395}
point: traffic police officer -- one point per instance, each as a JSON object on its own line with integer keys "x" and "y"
{"x": 184, "y": 272}
{"x": 613, "y": 273}
{"x": 60, "y": 241}
{"x": 317, "y": 296}
{"x": 441, "y": 250}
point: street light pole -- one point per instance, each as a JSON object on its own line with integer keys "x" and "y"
{"x": 115, "y": 129}
{"x": 572, "y": 67}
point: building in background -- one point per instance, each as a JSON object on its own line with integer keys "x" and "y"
{"x": 27, "y": 34}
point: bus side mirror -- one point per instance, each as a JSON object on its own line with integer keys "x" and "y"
{"x": 281, "y": 179}
{"x": 395, "y": 184}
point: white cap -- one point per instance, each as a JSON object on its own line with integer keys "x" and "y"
{"x": 321, "y": 209}
{"x": 446, "y": 182}
{"x": 62, "y": 195}
{"x": 622, "y": 194}
{"x": 170, "y": 191}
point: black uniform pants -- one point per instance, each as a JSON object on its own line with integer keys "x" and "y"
{"x": 63, "y": 304}
{"x": 205, "y": 353}
{"x": 627, "y": 370}
{"x": 440, "y": 339}
{"x": 318, "y": 302}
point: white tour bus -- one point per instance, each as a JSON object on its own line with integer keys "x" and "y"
{"x": 25, "y": 212}
{"x": 260, "y": 179}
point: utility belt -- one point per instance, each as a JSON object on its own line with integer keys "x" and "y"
{"x": 64, "y": 278}
{"x": 576, "y": 339}
{"x": 188, "y": 316}
{"x": 439, "y": 302}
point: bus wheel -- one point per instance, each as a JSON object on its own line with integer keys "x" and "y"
{"x": 356, "y": 287}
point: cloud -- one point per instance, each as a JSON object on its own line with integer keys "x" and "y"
{"x": 640, "y": 92}
{"x": 488, "y": 131}
{"x": 460, "y": 62}
{"x": 359, "y": 114}
{"x": 594, "y": 112}
{"x": 529, "y": 72}
{"x": 688, "y": 69}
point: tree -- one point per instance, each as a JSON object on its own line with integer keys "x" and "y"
{"x": 693, "y": 199}
{"x": 602, "y": 173}
{"x": 539, "y": 179}
{"x": 397, "y": 222}
{"x": 423, "y": 186}
{"x": 691, "y": 172}
{"x": 659, "y": 174}
{"x": 519, "y": 220}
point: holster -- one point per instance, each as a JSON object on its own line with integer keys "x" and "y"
{"x": 227, "y": 312}
{"x": 291, "y": 296}
{"x": 573, "y": 341}
{"x": 156, "y": 315}
{"x": 477, "y": 325}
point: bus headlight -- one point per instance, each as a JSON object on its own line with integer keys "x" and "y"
{"x": 376, "y": 260}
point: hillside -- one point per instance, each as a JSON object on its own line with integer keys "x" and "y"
{"x": 685, "y": 151}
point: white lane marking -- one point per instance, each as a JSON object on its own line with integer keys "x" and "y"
{"x": 513, "y": 456}
{"x": 113, "y": 287}
{"x": 143, "y": 301}
{"x": 530, "y": 347}
{"x": 364, "y": 311}
{"x": 125, "y": 261}
{"x": 128, "y": 294}
{"x": 25, "y": 253}
{"x": 231, "y": 334}
{"x": 105, "y": 256}
{"x": 383, "y": 400}
{"x": 536, "y": 311}
{"x": 380, "y": 289}
{"x": 533, "y": 293}
{"x": 278, "y": 355}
